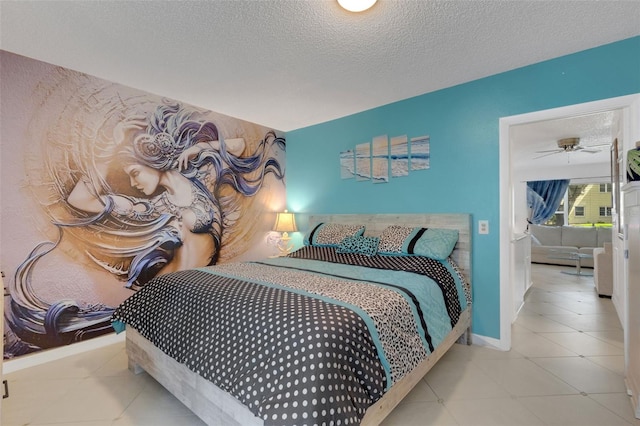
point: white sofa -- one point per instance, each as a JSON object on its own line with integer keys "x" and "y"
{"x": 603, "y": 270}
{"x": 548, "y": 241}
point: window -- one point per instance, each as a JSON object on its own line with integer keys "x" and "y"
{"x": 605, "y": 211}
{"x": 558, "y": 218}
{"x": 585, "y": 204}
{"x": 605, "y": 187}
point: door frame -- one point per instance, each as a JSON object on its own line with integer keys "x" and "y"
{"x": 506, "y": 188}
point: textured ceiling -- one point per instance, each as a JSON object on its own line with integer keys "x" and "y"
{"x": 291, "y": 64}
{"x": 536, "y": 143}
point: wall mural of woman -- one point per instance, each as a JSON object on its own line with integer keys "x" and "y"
{"x": 131, "y": 186}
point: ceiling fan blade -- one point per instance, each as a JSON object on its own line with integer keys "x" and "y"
{"x": 591, "y": 151}
{"x": 548, "y": 154}
{"x": 550, "y": 150}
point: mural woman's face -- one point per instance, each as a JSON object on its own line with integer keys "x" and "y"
{"x": 143, "y": 178}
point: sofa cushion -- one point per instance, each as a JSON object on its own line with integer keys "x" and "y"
{"x": 603, "y": 236}
{"x": 552, "y": 255}
{"x": 551, "y": 252}
{"x": 547, "y": 235}
{"x": 579, "y": 236}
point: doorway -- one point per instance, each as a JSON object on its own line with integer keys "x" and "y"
{"x": 511, "y": 185}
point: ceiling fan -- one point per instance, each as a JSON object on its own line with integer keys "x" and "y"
{"x": 571, "y": 145}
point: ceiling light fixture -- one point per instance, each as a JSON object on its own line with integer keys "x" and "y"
{"x": 569, "y": 144}
{"x": 356, "y": 5}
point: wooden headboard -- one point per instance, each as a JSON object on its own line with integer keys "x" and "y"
{"x": 376, "y": 223}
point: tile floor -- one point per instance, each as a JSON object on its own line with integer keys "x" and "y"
{"x": 565, "y": 368}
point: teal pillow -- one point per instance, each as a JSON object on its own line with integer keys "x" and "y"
{"x": 359, "y": 244}
{"x": 436, "y": 243}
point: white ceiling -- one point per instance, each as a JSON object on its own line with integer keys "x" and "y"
{"x": 532, "y": 142}
{"x": 288, "y": 64}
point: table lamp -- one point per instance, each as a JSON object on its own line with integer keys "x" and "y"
{"x": 285, "y": 223}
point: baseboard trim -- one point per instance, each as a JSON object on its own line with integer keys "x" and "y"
{"x": 31, "y": 360}
{"x": 489, "y": 342}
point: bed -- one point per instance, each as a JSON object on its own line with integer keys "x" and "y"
{"x": 362, "y": 368}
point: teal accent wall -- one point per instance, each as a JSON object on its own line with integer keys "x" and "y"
{"x": 463, "y": 123}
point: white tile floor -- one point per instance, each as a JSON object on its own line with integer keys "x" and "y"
{"x": 565, "y": 368}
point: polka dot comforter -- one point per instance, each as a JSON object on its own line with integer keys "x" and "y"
{"x": 313, "y": 338}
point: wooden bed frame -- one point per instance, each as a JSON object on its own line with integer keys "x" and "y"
{"x": 216, "y": 407}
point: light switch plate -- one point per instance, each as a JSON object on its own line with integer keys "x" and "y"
{"x": 483, "y": 227}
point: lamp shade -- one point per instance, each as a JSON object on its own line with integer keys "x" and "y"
{"x": 285, "y": 222}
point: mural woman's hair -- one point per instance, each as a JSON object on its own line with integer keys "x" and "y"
{"x": 240, "y": 169}
{"x": 171, "y": 130}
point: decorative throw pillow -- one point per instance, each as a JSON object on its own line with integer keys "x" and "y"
{"x": 435, "y": 243}
{"x": 393, "y": 239}
{"x": 331, "y": 234}
{"x": 359, "y": 244}
{"x": 430, "y": 242}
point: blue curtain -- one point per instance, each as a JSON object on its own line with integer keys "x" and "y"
{"x": 544, "y": 197}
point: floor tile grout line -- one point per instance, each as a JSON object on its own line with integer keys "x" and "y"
{"x": 591, "y": 361}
